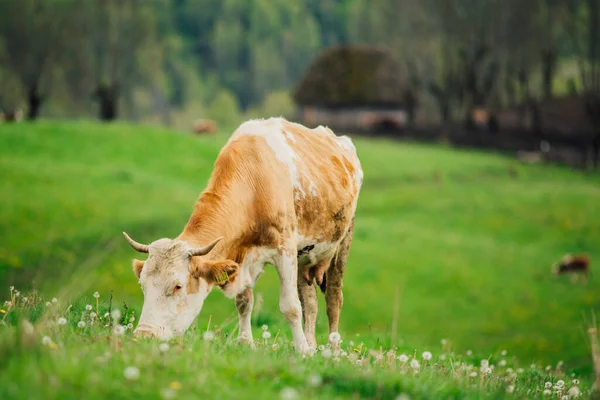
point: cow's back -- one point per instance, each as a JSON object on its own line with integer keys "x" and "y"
{"x": 322, "y": 174}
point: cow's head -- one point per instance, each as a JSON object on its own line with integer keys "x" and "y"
{"x": 175, "y": 280}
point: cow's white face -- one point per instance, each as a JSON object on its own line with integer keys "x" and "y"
{"x": 175, "y": 283}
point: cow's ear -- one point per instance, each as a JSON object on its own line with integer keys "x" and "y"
{"x": 137, "y": 267}
{"x": 215, "y": 272}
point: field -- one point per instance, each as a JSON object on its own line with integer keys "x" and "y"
{"x": 449, "y": 245}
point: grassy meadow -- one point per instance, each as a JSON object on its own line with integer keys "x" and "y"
{"x": 450, "y": 246}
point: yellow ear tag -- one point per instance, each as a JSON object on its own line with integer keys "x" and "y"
{"x": 224, "y": 277}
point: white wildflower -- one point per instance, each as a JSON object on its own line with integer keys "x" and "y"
{"x": 46, "y": 340}
{"x": 560, "y": 383}
{"x": 565, "y": 397}
{"x": 208, "y": 336}
{"x": 266, "y": 335}
{"x": 351, "y": 343}
{"x": 274, "y": 346}
{"x": 62, "y": 321}
{"x": 403, "y": 358}
{"x": 314, "y": 380}
{"x": 326, "y": 353}
{"x": 130, "y": 326}
{"x": 548, "y": 368}
{"x": 131, "y": 373}
{"x": 163, "y": 347}
{"x": 503, "y": 353}
{"x": 473, "y": 374}
{"x": 533, "y": 366}
{"x": 12, "y": 288}
{"x": 132, "y": 319}
{"x": 442, "y": 357}
{"x": 444, "y": 342}
{"x": 414, "y": 364}
{"x": 88, "y": 307}
{"x": 17, "y": 293}
{"x": 96, "y": 295}
{"x": 321, "y": 347}
{"x": 264, "y": 327}
{"x": 469, "y": 353}
{"x": 81, "y": 324}
{"x": 575, "y": 382}
{"x": 92, "y": 315}
{"x": 510, "y": 389}
{"x": 25, "y": 299}
{"x": 54, "y": 300}
{"x": 520, "y": 370}
{"x": 547, "y": 392}
{"x": 487, "y": 370}
{"x": 502, "y": 363}
{"x": 427, "y": 355}
{"x": 359, "y": 361}
{"x": 335, "y": 337}
{"x": 288, "y": 393}
{"x": 48, "y": 304}
{"x": 485, "y": 363}
{"x": 106, "y": 315}
{"x": 402, "y": 396}
{"x": 548, "y": 385}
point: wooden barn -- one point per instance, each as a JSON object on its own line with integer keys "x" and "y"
{"x": 355, "y": 88}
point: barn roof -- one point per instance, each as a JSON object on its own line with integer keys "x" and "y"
{"x": 352, "y": 75}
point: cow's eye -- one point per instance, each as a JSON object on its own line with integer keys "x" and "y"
{"x": 177, "y": 287}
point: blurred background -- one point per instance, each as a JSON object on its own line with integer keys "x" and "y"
{"x": 450, "y": 243}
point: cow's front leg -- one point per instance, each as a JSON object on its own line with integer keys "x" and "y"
{"x": 289, "y": 302}
{"x": 244, "y": 302}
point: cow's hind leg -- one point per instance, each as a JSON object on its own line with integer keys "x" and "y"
{"x": 244, "y": 302}
{"x": 310, "y": 308}
{"x": 334, "y": 281}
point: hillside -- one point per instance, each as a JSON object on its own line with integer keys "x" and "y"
{"x": 466, "y": 245}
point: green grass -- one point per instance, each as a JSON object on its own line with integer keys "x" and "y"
{"x": 466, "y": 247}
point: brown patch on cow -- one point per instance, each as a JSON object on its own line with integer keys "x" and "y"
{"x": 193, "y": 285}
{"x": 244, "y": 301}
{"x": 138, "y": 265}
{"x": 291, "y": 315}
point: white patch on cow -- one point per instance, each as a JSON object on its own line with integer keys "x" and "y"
{"x": 252, "y": 267}
{"x": 275, "y": 136}
{"x": 346, "y": 143}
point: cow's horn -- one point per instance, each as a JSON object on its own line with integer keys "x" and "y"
{"x": 142, "y": 248}
{"x": 200, "y": 251}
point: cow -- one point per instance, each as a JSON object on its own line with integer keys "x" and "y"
{"x": 205, "y": 126}
{"x": 571, "y": 264}
{"x": 11, "y": 116}
{"x": 279, "y": 194}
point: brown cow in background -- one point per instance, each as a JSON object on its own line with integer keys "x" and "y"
{"x": 12, "y": 116}
{"x": 205, "y": 126}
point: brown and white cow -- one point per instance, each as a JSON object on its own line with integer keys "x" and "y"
{"x": 280, "y": 194}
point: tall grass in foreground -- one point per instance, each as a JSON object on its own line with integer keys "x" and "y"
{"x": 53, "y": 349}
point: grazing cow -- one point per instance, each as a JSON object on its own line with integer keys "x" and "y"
{"x": 570, "y": 264}
{"x": 205, "y": 126}
{"x": 11, "y": 116}
{"x": 280, "y": 194}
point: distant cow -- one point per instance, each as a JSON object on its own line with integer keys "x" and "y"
{"x": 205, "y": 126}
{"x": 11, "y": 116}
{"x": 280, "y": 194}
{"x": 571, "y": 264}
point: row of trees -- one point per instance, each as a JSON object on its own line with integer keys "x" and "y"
{"x": 139, "y": 58}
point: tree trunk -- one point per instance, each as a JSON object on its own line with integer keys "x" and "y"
{"x": 34, "y": 102}
{"x": 548, "y": 69}
{"x": 108, "y": 97}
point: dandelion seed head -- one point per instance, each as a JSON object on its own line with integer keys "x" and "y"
{"x": 17, "y": 293}
{"x": 402, "y": 396}
{"x": 574, "y": 392}
{"x": 168, "y": 393}
{"x": 208, "y": 336}
{"x": 510, "y": 389}
{"x": 81, "y": 324}
{"x": 88, "y": 307}
{"x": 548, "y": 368}
{"x": 93, "y": 315}
{"x": 326, "y": 353}
{"x": 54, "y": 300}
{"x": 502, "y": 363}
{"x": 351, "y": 343}
{"x": 548, "y": 385}
{"x": 25, "y": 299}
{"x": 560, "y": 383}
{"x": 442, "y": 357}
{"x": 130, "y": 326}
{"x": 132, "y": 319}
{"x": 163, "y": 347}
{"x": 264, "y": 327}
{"x": 288, "y": 393}
{"x": 118, "y": 330}
{"x": 473, "y": 374}
{"x": 48, "y": 304}
{"x": 266, "y": 335}
{"x": 547, "y": 392}
{"x": 520, "y": 370}
{"x": 96, "y": 295}
{"x": 426, "y": 355}
{"x": 414, "y": 364}
{"x": 575, "y": 382}
{"x": 335, "y": 337}
{"x": 274, "y": 346}
{"x": 62, "y": 321}
{"x": 46, "y": 340}
{"x": 565, "y": 397}
{"x": 116, "y": 314}
{"x": 131, "y": 373}
{"x": 469, "y": 353}
{"x": 503, "y": 353}
{"x": 485, "y": 362}
{"x": 314, "y": 380}
{"x": 321, "y": 347}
